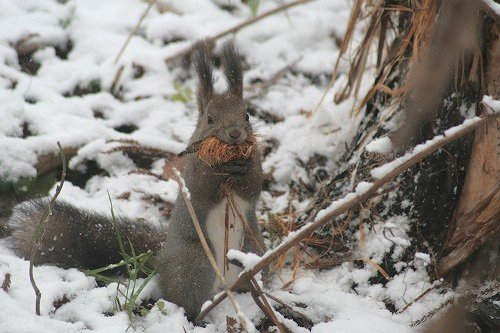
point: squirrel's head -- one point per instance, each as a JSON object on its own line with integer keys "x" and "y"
{"x": 221, "y": 115}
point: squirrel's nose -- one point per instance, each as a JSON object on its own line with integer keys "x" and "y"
{"x": 234, "y": 133}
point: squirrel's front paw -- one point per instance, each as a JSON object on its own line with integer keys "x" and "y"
{"x": 238, "y": 167}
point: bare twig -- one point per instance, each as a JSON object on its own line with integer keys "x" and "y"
{"x": 262, "y": 301}
{"x": 134, "y": 30}
{"x": 416, "y": 299}
{"x": 49, "y": 161}
{"x": 261, "y": 87}
{"x": 136, "y": 148}
{"x": 320, "y": 263}
{"x": 352, "y": 200}
{"x": 378, "y": 268}
{"x": 234, "y": 209}
{"x": 355, "y": 12}
{"x": 308, "y": 322}
{"x": 40, "y": 229}
{"x": 116, "y": 80}
{"x": 236, "y": 28}
{"x": 192, "y": 148}
{"x": 206, "y": 248}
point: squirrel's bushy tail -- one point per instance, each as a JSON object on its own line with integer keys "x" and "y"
{"x": 76, "y": 237}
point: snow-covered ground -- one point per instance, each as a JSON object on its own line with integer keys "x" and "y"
{"x": 69, "y": 99}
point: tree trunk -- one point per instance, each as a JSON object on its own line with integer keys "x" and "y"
{"x": 476, "y": 218}
{"x": 453, "y": 195}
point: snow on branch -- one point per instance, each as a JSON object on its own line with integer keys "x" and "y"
{"x": 385, "y": 169}
{"x": 491, "y": 8}
{"x": 363, "y": 192}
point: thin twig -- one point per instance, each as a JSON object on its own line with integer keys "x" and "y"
{"x": 355, "y": 12}
{"x": 236, "y": 28}
{"x": 378, "y": 268}
{"x": 141, "y": 150}
{"x": 134, "y": 30}
{"x": 259, "y": 297}
{"x": 416, "y": 299}
{"x": 40, "y": 230}
{"x": 246, "y": 225}
{"x": 206, "y": 248}
{"x": 226, "y": 238}
{"x": 305, "y": 319}
{"x": 261, "y": 87}
{"x": 350, "y": 201}
{"x": 116, "y": 80}
{"x": 191, "y": 148}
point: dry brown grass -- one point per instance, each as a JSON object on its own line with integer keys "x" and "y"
{"x": 398, "y": 33}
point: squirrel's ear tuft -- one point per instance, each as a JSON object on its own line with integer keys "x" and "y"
{"x": 231, "y": 66}
{"x": 203, "y": 68}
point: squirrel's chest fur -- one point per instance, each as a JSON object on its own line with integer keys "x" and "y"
{"x": 221, "y": 215}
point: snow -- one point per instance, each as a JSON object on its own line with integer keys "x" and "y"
{"x": 335, "y": 204}
{"x": 424, "y": 257}
{"x": 342, "y": 312}
{"x": 381, "y": 145}
{"x": 248, "y": 260}
{"x": 362, "y": 187}
{"x": 495, "y": 7}
{"x": 39, "y": 109}
{"x": 493, "y": 105}
{"x": 354, "y": 321}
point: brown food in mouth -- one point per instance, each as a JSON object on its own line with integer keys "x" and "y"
{"x": 214, "y": 151}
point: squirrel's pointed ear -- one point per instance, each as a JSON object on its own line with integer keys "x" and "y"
{"x": 203, "y": 69}
{"x": 231, "y": 66}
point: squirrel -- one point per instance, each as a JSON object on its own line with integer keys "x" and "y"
{"x": 76, "y": 237}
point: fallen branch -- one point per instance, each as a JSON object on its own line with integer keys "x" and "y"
{"x": 183, "y": 190}
{"x": 355, "y": 198}
{"x": 40, "y": 229}
{"x": 236, "y": 28}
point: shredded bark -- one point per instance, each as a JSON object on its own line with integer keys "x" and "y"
{"x": 214, "y": 151}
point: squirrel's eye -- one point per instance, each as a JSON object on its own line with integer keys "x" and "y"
{"x": 210, "y": 120}
{"x": 247, "y": 116}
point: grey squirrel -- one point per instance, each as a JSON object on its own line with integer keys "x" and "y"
{"x": 80, "y": 238}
